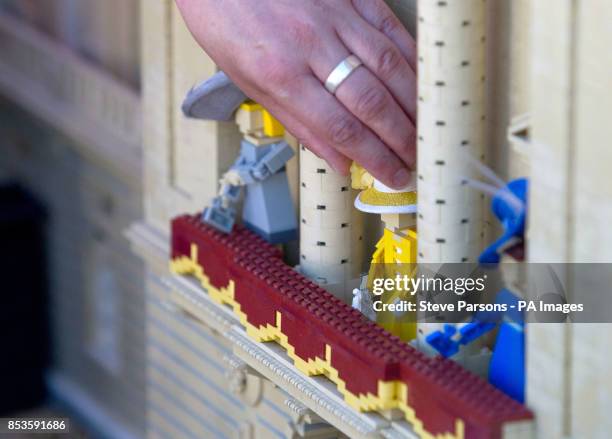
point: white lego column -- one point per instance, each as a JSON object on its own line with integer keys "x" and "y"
{"x": 451, "y": 121}
{"x": 451, "y": 131}
{"x": 330, "y": 228}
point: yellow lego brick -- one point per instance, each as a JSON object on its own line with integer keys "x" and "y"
{"x": 272, "y": 127}
{"x": 360, "y": 178}
{"x": 398, "y": 220}
{"x": 251, "y": 106}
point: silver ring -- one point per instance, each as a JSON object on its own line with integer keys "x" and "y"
{"x": 341, "y": 72}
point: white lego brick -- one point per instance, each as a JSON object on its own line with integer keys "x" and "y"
{"x": 329, "y": 237}
{"x": 325, "y": 273}
{"x": 309, "y": 162}
{"x": 449, "y": 12}
{"x": 452, "y": 118}
{"x": 442, "y": 180}
{"x": 453, "y": 135}
{"x": 449, "y": 195}
{"x": 325, "y": 218}
{"x": 323, "y": 182}
{"x": 432, "y": 252}
{"x": 457, "y": 76}
{"x": 435, "y": 56}
{"x": 325, "y": 255}
{"x": 445, "y": 98}
{"x": 457, "y": 233}
{"x": 327, "y": 201}
{"x": 438, "y": 214}
{"x": 452, "y": 36}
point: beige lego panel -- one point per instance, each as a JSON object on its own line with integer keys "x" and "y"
{"x": 184, "y": 158}
{"x": 549, "y": 346}
{"x": 193, "y": 372}
{"x": 591, "y": 385}
{"x": 105, "y": 32}
{"x": 74, "y": 96}
{"x": 551, "y": 101}
{"x": 548, "y": 380}
{"x": 508, "y": 82}
{"x": 593, "y": 131}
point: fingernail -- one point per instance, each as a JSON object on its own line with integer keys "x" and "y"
{"x": 401, "y": 178}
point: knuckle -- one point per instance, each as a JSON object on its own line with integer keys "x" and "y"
{"x": 343, "y": 129}
{"x": 389, "y": 62}
{"x": 303, "y": 33}
{"x": 388, "y": 25}
{"x": 277, "y": 77}
{"x": 372, "y": 102}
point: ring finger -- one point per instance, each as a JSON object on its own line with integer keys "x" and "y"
{"x": 365, "y": 96}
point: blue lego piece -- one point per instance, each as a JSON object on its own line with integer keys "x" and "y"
{"x": 268, "y": 206}
{"x": 509, "y": 206}
{"x": 217, "y": 98}
{"x": 220, "y": 217}
{"x": 268, "y": 209}
{"x": 443, "y": 341}
{"x": 507, "y": 366}
{"x": 474, "y": 330}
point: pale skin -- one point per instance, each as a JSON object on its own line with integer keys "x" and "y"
{"x": 279, "y": 52}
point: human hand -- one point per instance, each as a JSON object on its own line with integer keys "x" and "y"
{"x": 280, "y": 52}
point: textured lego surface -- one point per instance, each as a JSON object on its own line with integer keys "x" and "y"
{"x": 323, "y": 336}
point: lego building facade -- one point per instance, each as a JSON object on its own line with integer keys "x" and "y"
{"x": 139, "y": 351}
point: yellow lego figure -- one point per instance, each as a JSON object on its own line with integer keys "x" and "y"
{"x": 396, "y": 251}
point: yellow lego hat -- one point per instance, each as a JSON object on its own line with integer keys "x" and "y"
{"x": 382, "y": 199}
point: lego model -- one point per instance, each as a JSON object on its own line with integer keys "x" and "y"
{"x": 372, "y": 369}
{"x": 268, "y": 207}
{"x": 530, "y": 103}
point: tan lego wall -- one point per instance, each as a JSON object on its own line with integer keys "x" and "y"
{"x": 105, "y": 32}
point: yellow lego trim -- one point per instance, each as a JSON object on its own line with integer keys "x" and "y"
{"x": 417, "y": 425}
{"x": 272, "y": 127}
{"x": 390, "y": 394}
{"x": 250, "y": 106}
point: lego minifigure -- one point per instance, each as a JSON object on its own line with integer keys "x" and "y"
{"x": 395, "y": 252}
{"x": 509, "y": 205}
{"x": 260, "y": 167}
{"x": 507, "y": 365}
